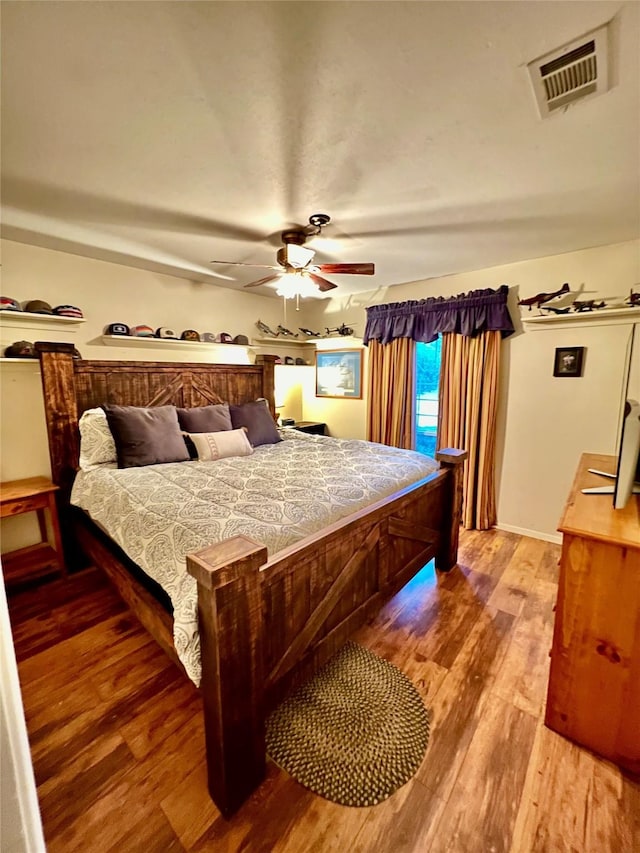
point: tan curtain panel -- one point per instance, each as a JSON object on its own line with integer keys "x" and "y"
{"x": 391, "y": 399}
{"x": 468, "y": 403}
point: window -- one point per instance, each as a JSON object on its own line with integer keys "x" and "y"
{"x": 427, "y": 380}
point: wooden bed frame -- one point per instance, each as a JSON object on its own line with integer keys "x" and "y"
{"x": 266, "y": 622}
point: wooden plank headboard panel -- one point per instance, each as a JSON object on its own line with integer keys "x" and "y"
{"x": 73, "y": 385}
{"x": 161, "y": 384}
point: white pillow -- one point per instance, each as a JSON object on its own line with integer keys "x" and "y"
{"x": 97, "y": 446}
{"x": 220, "y": 445}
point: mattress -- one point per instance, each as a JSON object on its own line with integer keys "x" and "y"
{"x": 277, "y": 496}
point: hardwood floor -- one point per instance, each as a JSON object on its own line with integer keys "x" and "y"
{"x": 117, "y": 741}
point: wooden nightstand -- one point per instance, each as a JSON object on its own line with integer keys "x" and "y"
{"x": 35, "y": 494}
{"x": 313, "y": 427}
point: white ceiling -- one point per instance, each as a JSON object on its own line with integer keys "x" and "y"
{"x": 164, "y": 135}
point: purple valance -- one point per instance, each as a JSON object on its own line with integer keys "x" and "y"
{"x": 425, "y": 319}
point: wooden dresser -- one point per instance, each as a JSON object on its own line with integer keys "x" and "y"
{"x": 594, "y": 682}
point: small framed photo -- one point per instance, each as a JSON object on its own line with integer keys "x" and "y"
{"x": 339, "y": 373}
{"x": 568, "y": 361}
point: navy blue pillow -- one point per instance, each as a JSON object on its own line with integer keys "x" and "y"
{"x": 256, "y": 418}
{"x": 205, "y": 418}
{"x": 146, "y": 436}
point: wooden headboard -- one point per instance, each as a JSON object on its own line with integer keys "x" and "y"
{"x": 73, "y": 385}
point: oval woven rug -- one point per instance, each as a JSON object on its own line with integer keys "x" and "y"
{"x": 354, "y": 733}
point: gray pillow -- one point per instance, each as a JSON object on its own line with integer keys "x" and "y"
{"x": 146, "y": 436}
{"x": 256, "y": 417}
{"x": 205, "y": 418}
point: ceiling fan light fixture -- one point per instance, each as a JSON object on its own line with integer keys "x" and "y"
{"x": 292, "y": 286}
{"x": 297, "y": 256}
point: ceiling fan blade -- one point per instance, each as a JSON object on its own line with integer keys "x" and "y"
{"x": 322, "y": 283}
{"x": 241, "y": 264}
{"x": 263, "y": 281}
{"x": 347, "y": 269}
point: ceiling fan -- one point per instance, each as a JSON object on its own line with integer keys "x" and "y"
{"x": 295, "y": 259}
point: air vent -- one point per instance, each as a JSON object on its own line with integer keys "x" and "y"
{"x": 575, "y": 71}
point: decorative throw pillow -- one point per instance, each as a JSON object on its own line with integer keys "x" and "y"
{"x": 146, "y": 436}
{"x": 220, "y": 445}
{"x": 256, "y": 417}
{"x": 97, "y": 446}
{"x": 205, "y": 418}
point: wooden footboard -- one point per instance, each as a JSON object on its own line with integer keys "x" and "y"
{"x": 265, "y": 625}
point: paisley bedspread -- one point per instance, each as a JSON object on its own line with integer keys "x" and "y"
{"x": 277, "y": 496}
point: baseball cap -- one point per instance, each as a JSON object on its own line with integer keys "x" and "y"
{"x": 37, "y": 306}
{"x": 243, "y": 340}
{"x": 68, "y": 311}
{"x": 300, "y": 361}
{"x": 142, "y": 331}
{"x": 9, "y": 304}
{"x": 117, "y": 329}
{"x": 21, "y": 349}
{"x": 166, "y": 332}
{"x": 225, "y": 338}
{"x": 190, "y": 335}
{"x": 209, "y": 337}
{"x": 288, "y": 360}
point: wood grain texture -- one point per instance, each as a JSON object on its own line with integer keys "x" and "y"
{"x": 496, "y": 763}
{"x": 592, "y": 516}
{"x": 16, "y": 490}
{"x": 596, "y": 639}
{"x": 120, "y": 760}
{"x": 32, "y": 494}
{"x": 451, "y": 460}
{"x": 231, "y": 624}
{"x": 572, "y": 802}
{"x": 150, "y": 613}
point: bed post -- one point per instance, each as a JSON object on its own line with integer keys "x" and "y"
{"x": 231, "y": 640}
{"x": 268, "y": 380}
{"x": 447, "y": 555}
{"x": 61, "y": 412}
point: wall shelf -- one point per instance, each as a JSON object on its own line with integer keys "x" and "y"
{"x": 341, "y": 342}
{"x": 163, "y": 343}
{"x": 6, "y": 360}
{"x": 599, "y": 316}
{"x": 284, "y": 341}
{"x": 309, "y": 342}
{"x": 19, "y": 318}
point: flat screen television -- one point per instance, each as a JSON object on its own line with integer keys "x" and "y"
{"x": 627, "y": 476}
{"x": 628, "y": 472}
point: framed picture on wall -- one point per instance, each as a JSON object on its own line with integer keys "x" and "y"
{"x": 339, "y": 373}
{"x": 568, "y": 361}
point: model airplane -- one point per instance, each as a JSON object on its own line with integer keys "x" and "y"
{"x": 588, "y": 305}
{"x": 340, "y": 330}
{"x": 556, "y": 310}
{"x": 540, "y": 298}
{"x": 266, "y": 330}
{"x": 287, "y": 332}
{"x": 309, "y": 333}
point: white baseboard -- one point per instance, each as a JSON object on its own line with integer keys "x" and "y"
{"x": 533, "y": 534}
